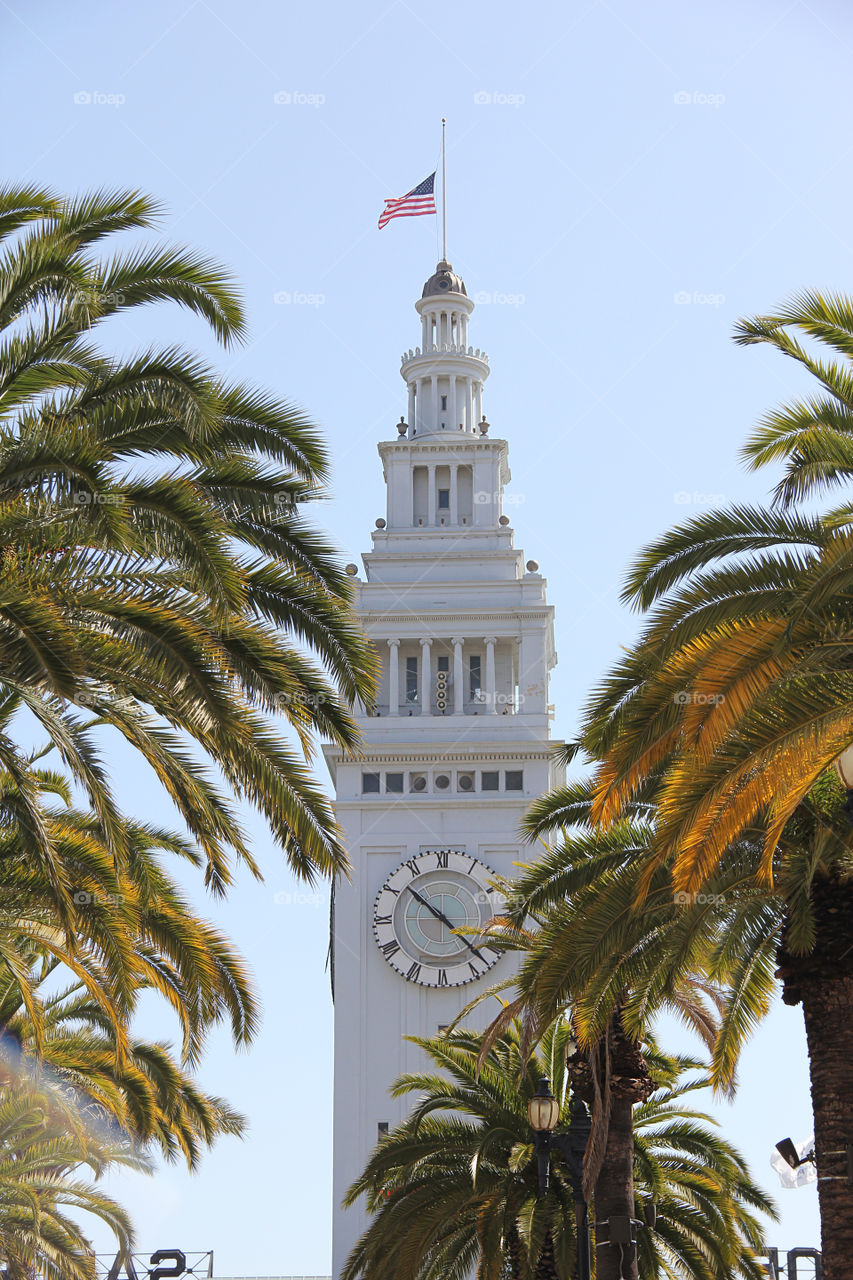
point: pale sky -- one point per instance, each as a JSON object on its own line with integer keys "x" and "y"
{"x": 624, "y": 182}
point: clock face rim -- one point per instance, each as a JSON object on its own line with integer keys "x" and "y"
{"x": 457, "y": 971}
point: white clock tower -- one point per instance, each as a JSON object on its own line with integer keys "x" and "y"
{"x": 455, "y": 748}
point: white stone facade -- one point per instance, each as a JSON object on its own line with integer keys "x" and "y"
{"x": 457, "y": 745}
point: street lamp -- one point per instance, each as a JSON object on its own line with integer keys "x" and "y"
{"x": 791, "y": 1155}
{"x": 543, "y": 1111}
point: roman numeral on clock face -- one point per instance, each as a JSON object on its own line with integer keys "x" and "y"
{"x": 414, "y": 973}
{"x": 390, "y": 949}
{"x": 382, "y": 920}
{"x": 442, "y": 978}
{"x": 441, "y": 858}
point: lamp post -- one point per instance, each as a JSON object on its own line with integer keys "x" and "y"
{"x": 543, "y": 1111}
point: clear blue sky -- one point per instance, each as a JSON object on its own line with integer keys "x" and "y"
{"x": 606, "y": 161}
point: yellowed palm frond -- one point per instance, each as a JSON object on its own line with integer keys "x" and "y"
{"x": 775, "y": 780}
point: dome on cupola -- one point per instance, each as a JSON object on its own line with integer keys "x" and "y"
{"x": 443, "y": 280}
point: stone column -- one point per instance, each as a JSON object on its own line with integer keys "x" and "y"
{"x": 454, "y": 493}
{"x": 411, "y": 406}
{"x": 431, "y": 494}
{"x": 458, "y": 678}
{"x": 419, "y": 404}
{"x": 393, "y": 677}
{"x": 491, "y": 704}
{"x": 426, "y": 678}
{"x": 433, "y": 426}
{"x": 451, "y": 403}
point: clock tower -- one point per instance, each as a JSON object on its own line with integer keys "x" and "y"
{"x": 456, "y": 746}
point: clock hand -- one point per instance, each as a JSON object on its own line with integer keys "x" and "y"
{"x": 439, "y": 915}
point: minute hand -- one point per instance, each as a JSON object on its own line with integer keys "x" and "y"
{"x": 439, "y": 915}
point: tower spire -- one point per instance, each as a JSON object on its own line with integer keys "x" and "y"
{"x": 444, "y": 375}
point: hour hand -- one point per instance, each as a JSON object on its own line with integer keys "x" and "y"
{"x": 439, "y": 915}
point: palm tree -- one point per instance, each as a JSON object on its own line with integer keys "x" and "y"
{"x": 455, "y": 1186}
{"x": 137, "y": 1089}
{"x": 132, "y": 929}
{"x": 737, "y": 700}
{"x": 591, "y": 953}
{"x": 43, "y": 1149}
{"x": 157, "y": 572}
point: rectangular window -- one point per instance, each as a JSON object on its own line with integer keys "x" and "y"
{"x": 474, "y": 678}
{"x": 443, "y": 662}
{"x": 382, "y": 1130}
{"x": 411, "y": 679}
{"x": 444, "y": 499}
{"x": 444, "y": 403}
{"x": 370, "y": 784}
{"x": 514, "y": 780}
{"x": 394, "y": 783}
{"x": 490, "y": 780}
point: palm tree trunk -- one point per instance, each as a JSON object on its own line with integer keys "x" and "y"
{"x": 614, "y": 1192}
{"x": 512, "y": 1263}
{"x": 628, "y": 1082}
{"x": 546, "y": 1264}
{"x": 823, "y": 982}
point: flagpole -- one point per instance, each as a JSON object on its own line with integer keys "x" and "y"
{"x": 443, "y": 191}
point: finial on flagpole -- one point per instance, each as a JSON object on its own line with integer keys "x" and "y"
{"x": 443, "y": 191}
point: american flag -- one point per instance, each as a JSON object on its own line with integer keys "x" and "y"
{"x": 419, "y": 200}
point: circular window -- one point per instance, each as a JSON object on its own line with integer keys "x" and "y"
{"x": 442, "y": 782}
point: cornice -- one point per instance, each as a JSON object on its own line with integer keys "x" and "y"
{"x": 528, "y": 615}
{"x": 428, "y": 754}
{"x": 434, "y": 443}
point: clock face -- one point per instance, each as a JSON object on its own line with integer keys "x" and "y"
{"x": 421, "y": 904}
